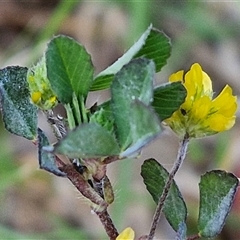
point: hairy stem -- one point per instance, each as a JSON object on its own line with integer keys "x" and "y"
{"x": 98, "y": 204}
{"x": 84, "y": 187}
{"x": 108, "y": 224}
{"x": 180, "y": 157}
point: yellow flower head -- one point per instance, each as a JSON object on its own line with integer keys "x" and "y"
{"x": 41, "y": 92}
{"x": 201, "y": 115}
{"x": 126, "y": 234}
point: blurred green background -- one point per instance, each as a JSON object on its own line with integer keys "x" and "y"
{"x": 37, "y": 205}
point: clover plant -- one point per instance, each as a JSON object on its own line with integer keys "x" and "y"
{"x": 118, "y": 129}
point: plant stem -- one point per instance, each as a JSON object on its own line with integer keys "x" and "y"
{"x": 70, "y": 116}
{"x": 76, "y": 109}
{"x": 83, "y": 110}
{"x": 180, "y": 157}
{"x": 84, "y": 187}
{"x": 108, "y": 224}
{"x": 98, "y": 204}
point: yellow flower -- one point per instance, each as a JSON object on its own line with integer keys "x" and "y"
{"x": 40, "y": 89}
{"x": 201, "y": 115}
{"x": 126, "y": 234}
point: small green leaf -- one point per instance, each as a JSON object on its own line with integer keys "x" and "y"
{"x": 217, "y": 192}
{"x": 104, "y": 117}
{"x": 144, "y": 127}
{"x": 133, "y": 81}
{"x": 19, "y": 114}
{"x": 153, "y": 44}
{"x": 168, "y": 98}
{"x": 155, "y": 176}
{"x": 47, "y": 160}
{"x": 69, "y": 68}
{"x": 86, "y": 141}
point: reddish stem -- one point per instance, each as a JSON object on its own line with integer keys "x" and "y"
{"x": 108, "y": 224}
{"x": 99, "y": 204}
{"x": 83, "y": 186}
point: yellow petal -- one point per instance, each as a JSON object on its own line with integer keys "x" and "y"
{"x": 219, "y": 123}
{"x": 200, "y": 108}
{"x": 228, "y": 110}
{"x": 194, "y": 75}
{"x": 178, "y": 76}
{"x": 225, "y": 102}
{"x": 126, "y": 234}
{"x": 192, "y": 81}
{"x": 191, "y": 90}
{"x": 207, "y": 84}
{"x": 230, "y": 123}
{"x": 198, "y": 82}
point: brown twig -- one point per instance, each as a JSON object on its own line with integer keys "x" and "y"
{"x": 98, "y": 204}
{"x": 108, "y": 224}
{"x": 84, "y": 187}
{"x": 181, "y": 155}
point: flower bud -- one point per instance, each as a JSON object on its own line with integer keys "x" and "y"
{"x": 40, "y": 89}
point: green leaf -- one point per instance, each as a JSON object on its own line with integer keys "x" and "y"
{"x": 134, "y": 81}
{"x": 144, "y": 124}
{"x": 168, "y": 98}
{"x": 153, "y": 44}
{"x": 103, "y": 116}
{"x": 47, "y": 160}
{"x": 157, "y": 48}
{"x": 69, "y": 68}
{"x": 155, "y": 176}
{"x": 86, "y": 141}
{"x": 144, "y": 127}
{"x": 217, "y": 192}
{"x": 19, "y": 114}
